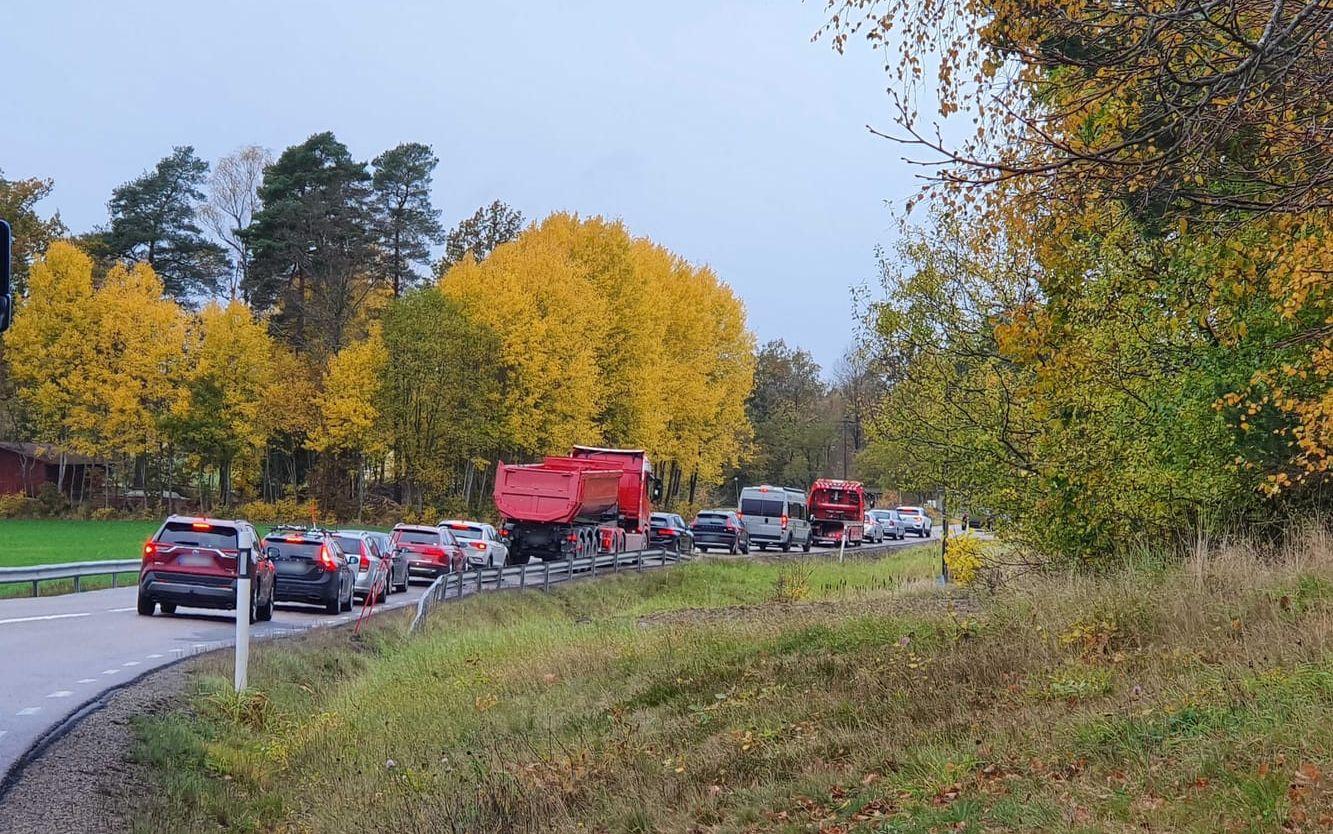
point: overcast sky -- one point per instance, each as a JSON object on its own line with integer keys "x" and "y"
{"x": 715, "y": 127}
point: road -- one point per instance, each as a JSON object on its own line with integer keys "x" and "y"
{"x": 63, "y": 653}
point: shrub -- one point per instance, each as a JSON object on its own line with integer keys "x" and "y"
{"x": 793, "y": 584}
{"x": 104, "y": 514}
{"x": 965, "y": 557}
{"x": 17, "y": 505}
{"x": 281, "y": 511}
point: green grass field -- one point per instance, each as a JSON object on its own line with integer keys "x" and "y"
{"x": 53, "y": 541}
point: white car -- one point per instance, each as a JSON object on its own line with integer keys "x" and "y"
{"x": 480, "y": 542}
{"x": 915, "y": 520}
{"x": 873, "y": 532}
{"x": 889, "y": 523}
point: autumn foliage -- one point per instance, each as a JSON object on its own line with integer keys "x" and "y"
{"x": 575, "y": 332}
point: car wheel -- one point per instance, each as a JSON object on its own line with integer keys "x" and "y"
{"x": 745, "y": 548}
{"x": 347, "y": 604}
{"x": 335, "y": 605}
{"x": 805, "y": 548}
{"x": 265, "y": 612}
{"x": 168, "y": 608}
{"x": 763, "y": 546}
{"x": 146, "y": 606}
{"x": 786, "y": 546}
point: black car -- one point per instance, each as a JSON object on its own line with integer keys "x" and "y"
{"x": 669, "y": 532}
{"x": 721, "y": 529}
{"x": 311, "y": 568}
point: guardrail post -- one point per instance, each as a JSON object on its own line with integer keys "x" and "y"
{"x": 570, "y": 563}
{"x": 113, "y": 579}
{"x": 76, "y": 583}
{"x": 34, "y": 587}
{"x": 479, "y": 572}
{"x": 546, "y": 579}
{"x": 523, "y": 578}
{"x": 593, "y": 560}
{"x": 638, "y": 563}
{"x": 615, "y": 563}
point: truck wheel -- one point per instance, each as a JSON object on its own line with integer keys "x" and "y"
{"x": 786, "y": 546}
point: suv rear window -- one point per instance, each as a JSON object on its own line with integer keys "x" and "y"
{"x": 416, "y": 537}
{"x": 185, "y": 533}
{"x": 761, "y": 506}
{"x": 350, "y": 544}
{"x": 304, "y": 548}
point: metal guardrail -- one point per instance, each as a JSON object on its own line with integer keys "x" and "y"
{"x": 71, "y": 570}
{"x": 535, "y": 575}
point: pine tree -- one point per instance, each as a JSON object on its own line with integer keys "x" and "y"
{"x": 406, "y": 224}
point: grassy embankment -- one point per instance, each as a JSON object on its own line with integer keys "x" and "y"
{"x": 754, "y": 697}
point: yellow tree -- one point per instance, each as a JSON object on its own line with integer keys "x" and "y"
{"x": 50, "y": 347}
{"x": 547, "y": 314}
{"x": 349, "y": 423}
{"x": 231, "y": 395}
{"x": 128, "y": 393}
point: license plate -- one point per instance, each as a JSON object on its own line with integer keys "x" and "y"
{"x": 195, "y": 560}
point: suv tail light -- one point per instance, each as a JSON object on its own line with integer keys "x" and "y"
{"x": 433, "y": 552}
{"x": 149, "y": 551}
{"x": 477, "y": 545}
{"x": 326, "y": 560}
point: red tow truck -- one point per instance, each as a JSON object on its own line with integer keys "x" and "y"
{"x": 837, "y": 509}
{"x": 591, "y": 500}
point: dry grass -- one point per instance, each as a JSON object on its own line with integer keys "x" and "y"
{"x": 1164, "y": 697}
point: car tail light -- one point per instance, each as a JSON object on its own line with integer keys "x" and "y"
{"x": 730, "y": 527}
{"x": 477, "y": 545}
{"x": 572, "y": 537}
{"x": 326, "y": 560}
{"x": 433, "y": 552}
{"x": 740, "y": 517}
{"x": 200, "y": 525}
{"x": 667, "y": 531}
{"x": 149, "y": 551}
{"x": 294, "y": 539}
{"x": 504, "y": 534}
{"x": 784, "y": 522}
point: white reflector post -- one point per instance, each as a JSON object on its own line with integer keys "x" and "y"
{"x": 242, "y": 618}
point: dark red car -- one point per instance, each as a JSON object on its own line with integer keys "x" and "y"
{"x": 431, "y": 551}
{"x": 191, "y": 561}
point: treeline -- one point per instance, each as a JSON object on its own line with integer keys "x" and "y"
{"x": 276, "y": 329}
{"x": 1117, "y": 326}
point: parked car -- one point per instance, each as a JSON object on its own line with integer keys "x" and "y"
{"x": 872, "y": 531}
{"x": 889, "y": 523}
{"x": 192, "y": 561}
{"x": 311, "y": 568}
{"x": 482, "y": 546}
{"x": 431, "y": 551}
{"x": 398, "y": 574}
{"x": 373, "y": 566}
{"x": 670, "y": 532}
{"x": 915, "y": 521}
{"x": 721, "y": 529}
{"x": 775, "y": 516}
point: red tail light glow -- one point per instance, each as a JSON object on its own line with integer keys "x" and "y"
{"x": 477, "y": 545}
{"x": 571, "y": 538}
{"x": 433, "y": 552}
{"x": 200, "y": 525}
{"x": 784, "y": 522}
{"x": 149, "y": 550}
{"x": 326, "y": 560}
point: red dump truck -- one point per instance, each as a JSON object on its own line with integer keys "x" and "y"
{"x": 565, "y": 507}
{"x": 837, "y": 509}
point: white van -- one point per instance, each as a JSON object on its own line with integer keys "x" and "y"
{"x": 775, "y": 516}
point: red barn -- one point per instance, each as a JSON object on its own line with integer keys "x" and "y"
{"x": 24, "y": 467}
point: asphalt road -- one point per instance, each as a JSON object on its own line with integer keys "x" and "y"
{"x": 62, "y": 653}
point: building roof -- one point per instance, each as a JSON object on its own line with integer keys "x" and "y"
{"x": 47, "y": 453}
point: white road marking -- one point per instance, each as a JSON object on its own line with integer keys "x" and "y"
{"x": 198, "y": 645}
{"x": 44, "y": 617}
{"x": 60, "y": 693}
{"x": 4, "y": 733}
{"x": 87, "y": 680}
{"x": 29, "y": 711}
{"x": 119, "y": 610}
{"x": 154, "y": 656}
{"x": 110, "y": 671}
{"x": 130, "y": 663}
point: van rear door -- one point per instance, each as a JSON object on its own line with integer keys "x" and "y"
{"x": 762, "y": 514}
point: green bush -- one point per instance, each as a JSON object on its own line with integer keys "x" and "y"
{"x": 17, "y": 505}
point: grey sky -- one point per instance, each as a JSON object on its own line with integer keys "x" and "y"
{"x": 716, "y": 128}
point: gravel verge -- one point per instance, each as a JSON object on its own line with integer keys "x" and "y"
{"x": 85, "y": 780}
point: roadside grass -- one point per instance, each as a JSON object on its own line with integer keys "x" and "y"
{"x": 784, "y": 696}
